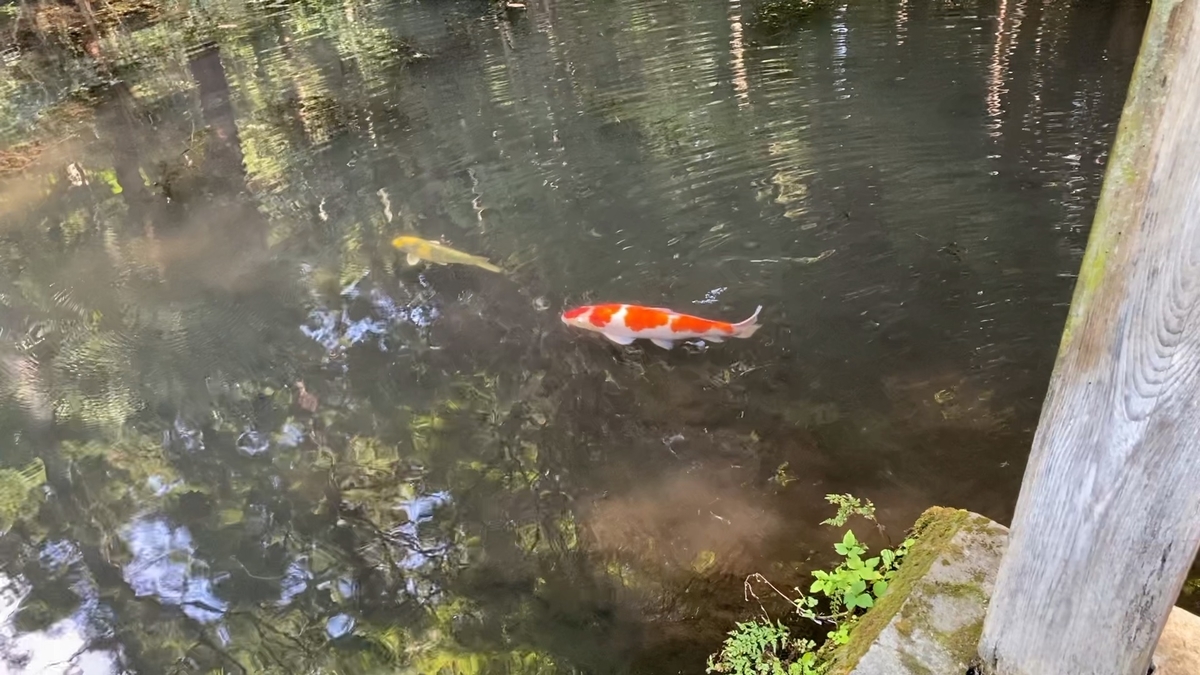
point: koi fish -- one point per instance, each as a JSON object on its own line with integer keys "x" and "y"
{"x": 431, "y": 251}
{"x": 623, "y": 324}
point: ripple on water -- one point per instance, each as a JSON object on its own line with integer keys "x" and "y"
{"x": 458, "y": 453}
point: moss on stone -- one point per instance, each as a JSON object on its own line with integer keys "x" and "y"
{"x": 933, "y": 532}
{"x": 969, "y": 589}
{"x": 913, "y": 665}
{"x": 980, "y": 524}
{"x": 964, "y": 642}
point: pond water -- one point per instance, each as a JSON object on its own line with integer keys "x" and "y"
{"x": 241, "y": 434}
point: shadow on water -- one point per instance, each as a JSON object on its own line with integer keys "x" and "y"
{"x": 243, "y": 435}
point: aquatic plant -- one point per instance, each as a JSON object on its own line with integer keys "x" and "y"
{"x": 18, "y": 492}
{"x": 836, "y": 599}
{"x": 780, "y": 15}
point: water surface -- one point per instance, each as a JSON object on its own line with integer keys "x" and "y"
{"x": 242, "y": 435}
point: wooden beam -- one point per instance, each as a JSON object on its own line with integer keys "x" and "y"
{"x": 1108, "y": 519}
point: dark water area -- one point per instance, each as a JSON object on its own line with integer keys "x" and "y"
{"x": 243, "y": 435}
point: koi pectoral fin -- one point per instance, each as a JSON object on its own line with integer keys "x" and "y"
{"x": 713, "y": 338}
{"x": 412, "y": 258}
{"x": 665, "y": 344}
{"x": 618, "y": 339}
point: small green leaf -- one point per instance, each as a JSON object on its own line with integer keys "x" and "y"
{"x": 865, "y": 601}
{"x": 857, "y": 587}
{"x": 888, "y": 556}
{"x": 879, "y": 588}
{"x": 848, "y": 540}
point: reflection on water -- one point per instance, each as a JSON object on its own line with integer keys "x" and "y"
{"x": 244, "y": 435}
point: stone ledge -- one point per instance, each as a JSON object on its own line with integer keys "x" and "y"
{"x": 931, "y": 618}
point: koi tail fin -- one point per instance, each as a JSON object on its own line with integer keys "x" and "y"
{"x": 744, "y": 329}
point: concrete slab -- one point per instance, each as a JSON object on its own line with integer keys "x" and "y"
{"x": 1178, "y": 650}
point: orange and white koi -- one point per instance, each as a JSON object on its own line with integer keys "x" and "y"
{"x": 623, "y": 324}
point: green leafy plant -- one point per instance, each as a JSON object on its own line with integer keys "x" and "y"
{"x": 854, "y": 585}
{"x": 849, "y": 505}
{"x": 763, "y": 648}
{"x": 836, "y": 598}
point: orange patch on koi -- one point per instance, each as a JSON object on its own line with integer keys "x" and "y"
{"x": 602, "y": 314}
{"x": 644, "y": 318}
{"x": 692, "y": 324}
{"x": 572, "y": 313}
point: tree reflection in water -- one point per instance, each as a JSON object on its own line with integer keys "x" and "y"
{"x": 243, "y": 436}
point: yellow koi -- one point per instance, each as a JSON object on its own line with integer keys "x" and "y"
{"x": 431, "y": 251}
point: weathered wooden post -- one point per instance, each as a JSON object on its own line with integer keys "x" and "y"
{"x": 1108, "y": 519}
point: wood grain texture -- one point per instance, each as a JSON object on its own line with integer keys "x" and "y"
{"x": 1108, "y": 519}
